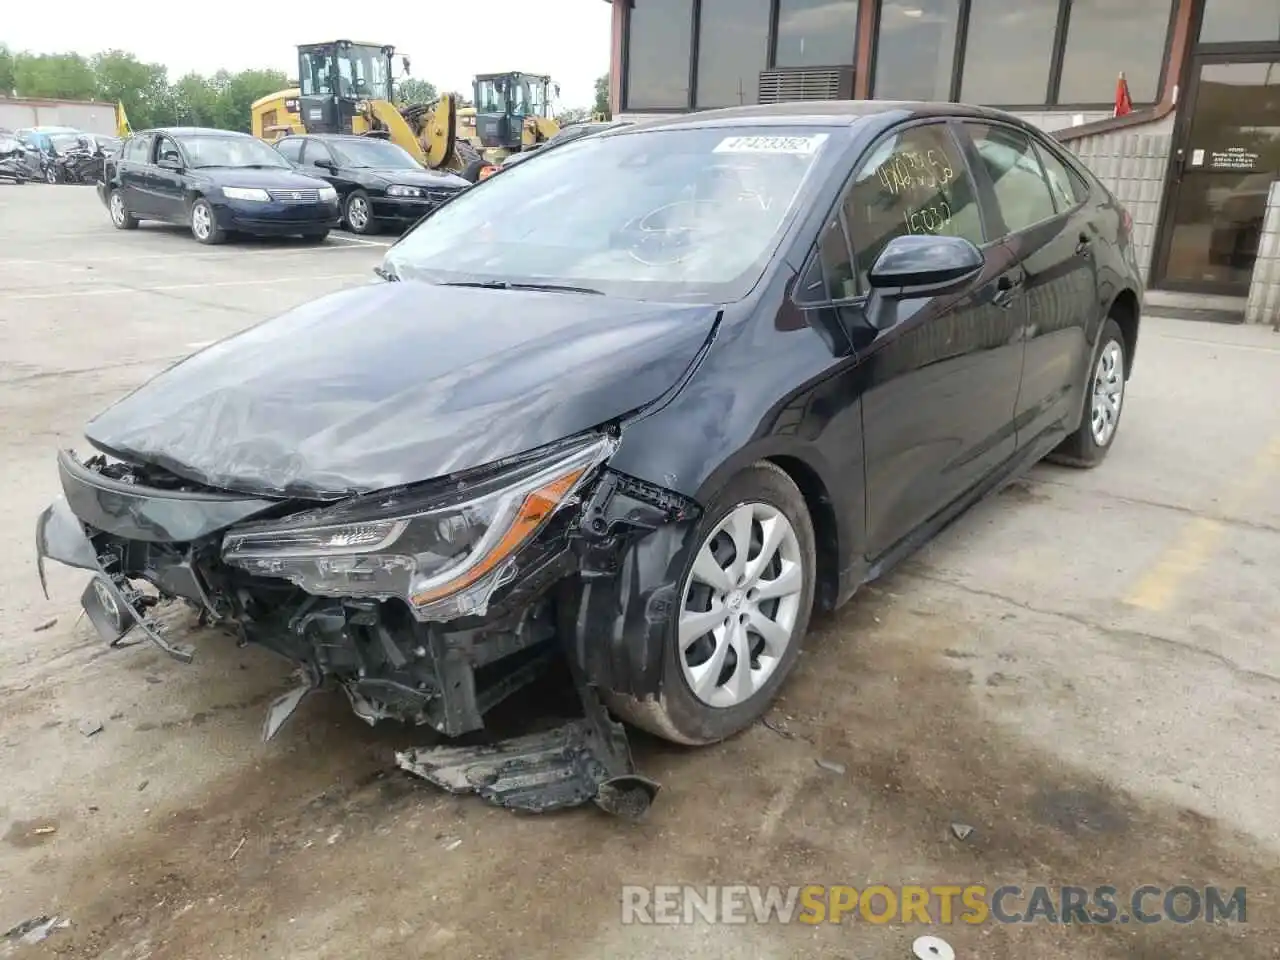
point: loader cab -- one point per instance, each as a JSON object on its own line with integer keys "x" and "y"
{"x": 334, "y": 77}
{"x": 504, "y": 101}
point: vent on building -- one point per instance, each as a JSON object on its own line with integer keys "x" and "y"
{"x": 806, "y": 83}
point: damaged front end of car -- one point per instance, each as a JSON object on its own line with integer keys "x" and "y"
{"x": 427, "y": 603}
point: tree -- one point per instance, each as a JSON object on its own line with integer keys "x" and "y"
{"x": 602, "y": 96}
{"x": 193, "y": 101}
{"x": 143, "y": 88}
{"x": 6, "y": 71}
{"x": 413, "y": 90}
{"x": 59, "y": 76}
{"x": 239, "y": 91}
{"x": 573, "y": 115}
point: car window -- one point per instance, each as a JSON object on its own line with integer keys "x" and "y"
{"x": 291, "y": 149}
{"x": 687, "y": 213}
{"x": 166, "y": 149}
{"x": 1068, "y": 190}
{"x": 914, "y": 181}
{"x": 315, "y": 150}
{"x": 136, "y": 149}
{"x": 1022, "y": 193}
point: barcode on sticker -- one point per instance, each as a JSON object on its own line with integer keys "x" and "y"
{"x": 798, "y": 145}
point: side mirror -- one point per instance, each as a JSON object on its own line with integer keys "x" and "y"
{"x": 922, "y": 264}
{"x": 324, "y": 163}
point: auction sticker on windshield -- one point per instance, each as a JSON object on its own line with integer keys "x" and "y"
{"x": 796, "y": 145}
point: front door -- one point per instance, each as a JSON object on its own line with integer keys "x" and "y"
{"x": 1227, "y": 157}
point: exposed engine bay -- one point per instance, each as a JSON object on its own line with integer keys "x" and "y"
{"x": 427, "y": 604}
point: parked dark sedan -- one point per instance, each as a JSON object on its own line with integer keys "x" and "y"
{"x": 379, "y": 184}
{"x": 752, "y": 360}
{"x": 19, "y": 161}
{"x": 218, "y": 183}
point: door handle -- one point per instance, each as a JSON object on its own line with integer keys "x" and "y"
{"x": 1006, "y": 287}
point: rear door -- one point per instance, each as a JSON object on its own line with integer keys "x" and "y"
{"x": 941, "y": 380}
{"x": 135, "y": 158}
{"x": 1046, "y": 223}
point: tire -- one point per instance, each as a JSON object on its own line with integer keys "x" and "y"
{"x": 716, "y": 711}
{"x": 357, "y": 214}
{"x": 1088, "y": 446}
{"x": 121, "y": 218}
{"x": 51, "y": 174}
{"x": 204, "y": 223}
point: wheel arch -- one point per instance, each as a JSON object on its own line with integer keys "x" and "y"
{"x": 826, "y": 530}
{"x": 1126, "y": 311}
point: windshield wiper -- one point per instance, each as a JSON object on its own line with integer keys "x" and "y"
{"x": 508, "y": 285}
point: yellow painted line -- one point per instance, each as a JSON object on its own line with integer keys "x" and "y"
{"x": 1200, "y": 537}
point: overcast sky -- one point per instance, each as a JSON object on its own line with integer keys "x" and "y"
{"x": 447, "y": 40}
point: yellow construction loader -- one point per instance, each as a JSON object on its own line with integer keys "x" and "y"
{"x": 347, "y": 87}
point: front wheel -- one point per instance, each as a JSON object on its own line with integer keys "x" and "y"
{"x": 51, "y": 174}
{"x": 358, "y": 213}
{"x": 745, "y": 600}
{"x": 121, "y": 218}
{"x": 204, "y": 224}
{"x": 1103, "y": 403}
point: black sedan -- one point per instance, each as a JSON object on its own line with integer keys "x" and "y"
{"x": 19, "y": 161}
{"x": 379, "y": 184}
{"x": 641, "y": 407}
{"x": 218, "y": 183}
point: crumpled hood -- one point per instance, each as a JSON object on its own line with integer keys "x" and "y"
{"x": 395, "y": 383}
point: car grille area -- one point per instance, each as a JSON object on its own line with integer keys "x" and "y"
{"x": 438, "y": 194}
{"x": 295, "y": 196}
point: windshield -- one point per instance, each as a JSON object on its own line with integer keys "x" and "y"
{"x": 362, "y": 72}
{"x": 64, "y": 141}
{"x": 230, "y": 152}
{"x": 374, "y": 153}
{"x": 661, "y": 214}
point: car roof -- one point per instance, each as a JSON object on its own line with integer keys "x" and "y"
{"x": 331, "y": 136}
{"x": 194, "y": 132}
{"x": 814, "y": 113}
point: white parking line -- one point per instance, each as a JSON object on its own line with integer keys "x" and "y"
{"x": 360, "y": 240}
{"x": 124, "y": 291}
{"x": 228, "y": 256}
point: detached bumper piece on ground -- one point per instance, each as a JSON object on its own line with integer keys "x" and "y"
{"x": 512, "y": 549}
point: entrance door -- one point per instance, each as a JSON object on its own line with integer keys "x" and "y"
{"x": 1226, "y": 159}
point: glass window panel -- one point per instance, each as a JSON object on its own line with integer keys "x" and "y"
{"x": 1008, "y": 50}
{"x": 658, "y": 43}
{"x": 916, "y": 49}
{"x": 733, "y": 47}
{"x": 1105, "y": 37}
{"x": 1022, "y": 193}
{"x": 816, "y": 33}
{"x": 1229, "y": 21}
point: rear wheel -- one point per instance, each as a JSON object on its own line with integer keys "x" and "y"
{"x": 50, "y": 174}
{"x": 204, "y": 224}
{"x": 745, "y": 601}
{"x": 121, "y": 218}
{"x": 358, "y": 213}
{"x": 1103, "y": 403}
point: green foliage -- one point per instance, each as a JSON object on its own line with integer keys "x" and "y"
{"x": 221, "y": 100}
{"x": 414, "y": 90}
{"x": 573, "y": 115}
{"x": 602, "y": 96}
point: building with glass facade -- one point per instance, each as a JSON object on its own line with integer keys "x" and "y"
{"x": 1197, "y": 160}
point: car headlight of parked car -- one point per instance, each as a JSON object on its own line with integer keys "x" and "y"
{"x": 401, "y": 190}
{"x": 442, "y": 551}
{"x": 246, "y": 193}
{"x": 328, "y": 194}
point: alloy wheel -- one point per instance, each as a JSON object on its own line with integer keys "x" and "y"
{"x": 201, "y": 223}
{"x": 740, "y": 604}
{"x": 117, "y": 208}
{"x": 1108, "y": 393}
{"x": 357, "y": 214}
{"x": 50, "y": 175}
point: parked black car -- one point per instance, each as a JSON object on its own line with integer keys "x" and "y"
{"x": 19, "y": 161}
{"x": 216, "y": 181}
{"x": 81, "y": 157}
{"x": 379, "y": 184}
{"x": 641, "y": 406}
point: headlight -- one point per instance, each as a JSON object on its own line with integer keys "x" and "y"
{"x": 443, "y": 552}
{"x": 246, "y": 193}
{"x": 400, "y": 190}
{"x": 328, "y": 194}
